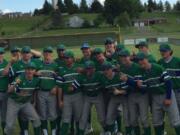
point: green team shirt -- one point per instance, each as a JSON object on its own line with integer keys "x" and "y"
{"x": 173, "y": 68}
{"x": 90, "y": 86}
{"x": 48, "y": 72}
{"x": 134, "y": 72}
{"x": 154, "y": 79}
{"x": 151, "y": 58}
{"x": 60, "y": 62}
{"x": 115, "y": 82}
{"x": 19, "y": 66}
{"x": 69, "y": 74}
{"x": 3, "y": 79}
{"x": 25, "y": 89}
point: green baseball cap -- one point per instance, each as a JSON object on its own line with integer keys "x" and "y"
{"x": 26, "y": 49}
{"x": 15, "y": 49}
{"x": 89, "y": 64}
{"x": 109, "y": 40}
{"x": 106, "y": 65}
{"x": 2, "y": 50}
{"x": 141, "y": 56}
{"x": 124, "y": 53}
{"x": 142, "y": 43}
{"x": 98, "y": 50}
{"x": 30, "y": 65}
{"x": 61, "y": 47}
{"x": 165, "y": 47}
{"x": 48, "y": 49}
{"x": 120, "y": 47}
{"x": 69, "y": 54}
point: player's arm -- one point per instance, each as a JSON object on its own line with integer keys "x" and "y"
{"x": 36, "y": 53}
{"x": 60, "y": 97}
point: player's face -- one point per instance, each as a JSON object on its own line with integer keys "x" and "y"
{"x": 143, "y": 49}
{"x": 124, "y": 60}
{"x": 86, "y": 52}
{"x": 30, "y": 72}
{"x": 15, "y": 54}
{"x": 143, "y": 63}
{"x": 69, "y": 60}
{"x": 47, "y": 56}
{"x": 100, "y": 57}
{"x": 110, "y": 47}
{"x": 26, "y": 56}
{"x": 60, "y": 53}
{"x": 90, "y": 71}
{"x": 108, "y": 72}
{"x": 166, "y": 54}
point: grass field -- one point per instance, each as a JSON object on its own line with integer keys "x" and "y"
{"x": 96, "y": 126}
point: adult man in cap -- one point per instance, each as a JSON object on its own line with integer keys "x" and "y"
{"x": 137, "y": 99}
{"x": 3, "y": 87}
{"x": 21, "y": 92}
{"x": 172, "y": 66}
{"x": 143, "y": 47}
{"x": 157, "y": 81}
{"x": 109, "y": 48}
{"x": 118, "y": 91}
{"x": 90, "y": 84}
{"x": 46, "y": 98}
{"x": 72, "y": 99}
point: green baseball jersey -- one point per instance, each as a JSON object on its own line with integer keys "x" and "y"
{"x": 173, "y": 68}
{"x": 60, "y": 62}
{"x": 90, "y": 86}
{"x": 26, "y": 88}
{"x": 151, "y": 58}
{"x": 48, "y": 75}
{"x": 134, "y": 72}
{"x": 155, "y": 79}
{"x": 3, "y": 79}
{"x": 69, "y": 74}
{"x": 115, "y": 82}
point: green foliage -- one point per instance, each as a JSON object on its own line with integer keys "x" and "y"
{"x": 61, "y": 6}
{"x": 57, "y": 20}
{"x": 83, "y": 6}
{"x": 177, "y": 6}
{"x": 71, "y": 7}
{"x": 86, "y": 24}
{"x": 96, "y": 7}
{"x": 123, "y": 20}
{"x": 167, "y": 6}
{"x": 98, "y": 21}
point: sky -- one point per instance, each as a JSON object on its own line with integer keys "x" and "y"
{"x": 30, "y": 5}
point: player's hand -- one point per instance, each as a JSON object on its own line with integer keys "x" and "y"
{"x": 167, "y": 102}
{"x": 38, "y": 73}
{"x": 139, "y": 83}
{"x": 54, "y": 91}
{"x": 18, "y": 81}
{"x": 5, "y": 72}
{"x": 118, "y": 92}
{"x": 71, "y": 88}
{"x": 13, "y": 60}
{"x": 80, "y": 70}
{"x": 61, "y": 104}
{"x": 123, "y": 77}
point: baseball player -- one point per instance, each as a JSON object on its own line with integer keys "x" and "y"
{"x": 143, "y": 47}
{"x": 137, "y": 99}
{"x": 3, "y": 87}
{"x": 118, "y": 91}
{"x": 90, "y": 84}
{"x": 172, "y": 66}
{"x": 46, "y": 97}
{"x": 72, "y": 99}
{"x": 157, "y": 81}
{"x": 21, "y": 93}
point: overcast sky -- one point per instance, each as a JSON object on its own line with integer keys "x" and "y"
{"x": 30, "y": 5}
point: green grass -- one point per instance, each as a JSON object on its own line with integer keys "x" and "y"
{"x": 96, "y": 126}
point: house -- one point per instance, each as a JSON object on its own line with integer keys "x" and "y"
{"x": 75, "y": 22}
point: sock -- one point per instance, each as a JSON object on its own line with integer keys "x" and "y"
{"x": 128, "y": 130}
{"x": 64, "y": 129}
{"x": 53, "y": 132}
{"x": 177, "y": 129}
{"x": 58, "y": 123}
{"x": 3, "y": 126}
{"x": 136, "y": 130}
{"x": 37, "y": 131}
{"x": 110, "y": 128}
{"x": 25, "y": 132}
{"x": 119, "y": 123}
{"x": 147, "y": 131}
{"x": 159, "y": 130}
{"x": 72, "y": 126}
{"x": 53, "y": 127}
{"x": 44, "y": 127}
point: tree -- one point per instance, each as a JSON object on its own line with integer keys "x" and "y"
{"x": 112, "y": 9}
{"x": 167, "y": 6}
{"x": 150, "y": 6}
{"x": 61, "y": 6}
{"x": 47, "y": 8}
{"x": 71, "y": 7}
{"x": 177, "y": 6}
{"x": 123, "y": 20}
{"x": 96, "y": 7}
{"x": 83, "y": 6}
{"x": 56, "y": 18}
{"x": 160, "y": 6}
